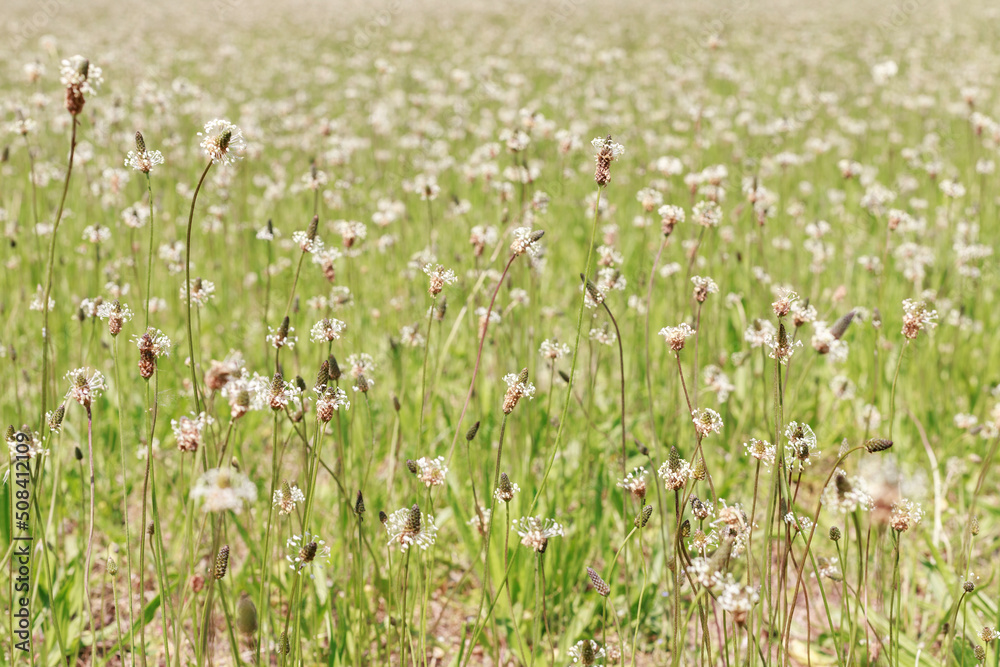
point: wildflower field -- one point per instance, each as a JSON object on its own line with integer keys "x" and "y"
{"x": 448, "y": 334}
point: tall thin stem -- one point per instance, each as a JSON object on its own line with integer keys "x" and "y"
{"x": 149, "y": 259}
{"x": 649, "y": 377}
{"x": 423, "y": 374}
{"x": 48, "y": 280}
{"x": 265, "y": 555}
{"x": 90, "y": 534}
{"x": 489, "y": 531}
{"x": 128, "y": 538}
{"x": 479, "y": 356}
{"x": 187, "y": 284}
{"x": 892, "y": 392}
{"x": 576, "y": 351}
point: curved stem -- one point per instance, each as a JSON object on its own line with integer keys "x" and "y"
{"x": 128, "y": 538}
{"x": 576, "y": 351}
{"x": 649, "y": 378}
{"x": 48, "y": 280}
{"x": 265, "y": 555}
{"x": 187, "y": 286}
{"x": 489, "y": 531}
{"x": 479, "y": 356}
{"x": 423, "y": 375}
{"x": 149, "y": 260}
{"x": 90, "y": 534}
{"x": 892, "y": 392}
{"x": 621, "y": 365}
{"x": 812, "y": 532}
{"x": 506, "y": 564}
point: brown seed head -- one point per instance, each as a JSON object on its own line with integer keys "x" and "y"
{"x": 55, "y": 421}
{"x": 878, "y": 445}
{"x": 246, "y": 615}
{"x": 600, "y": 585}
{"x": 840, "y": 326}
{"x": 643, "y": 449}
{"x": 221, "y": 562}
{"x": 642, "y": 518}
{"x": 413, "y": 519}
{"x": 471, "y": 433}
{"x": 308, "y": 552}
{"x": 505, "y": 491}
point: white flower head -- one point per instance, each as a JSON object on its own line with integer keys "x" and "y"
{"x": 703, "y": 287}
{"x": 518, "y": 387}
{"x": 431, "y": 471}
{"x": 287, "y": 498}
{"x": 80, "y": 74}
{"x": 706, "y": 421}
{"x": 635, "y": 483}
{"x": 801, "y": 447}
{"x": 143, "y": 161}
{"x": 223, "y": 489}
{"x": 326, "y": 330}
{"x": 408, "y": 527}
{"x": 439, "y": 277}
{"x": 552, "y": 349}
{"x": 222, "y": 142}
{"x": 85, "y": 385}
{"x": 306, "y": 550}
{"x": 606, "y": 146}
{"x": 761, "y": 450}
{"x": 526, "y": 241}
{"x": 675, "y": 336}
{"x": 536, "y": 532}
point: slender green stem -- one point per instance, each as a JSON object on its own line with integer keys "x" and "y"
{"x": 489, "y": 530}
{"x": 118, "y": 620}
{"x": 506, "y": 563}
{"x": 265, "y": 555}
{"x": 618, "y": 630}
{"x": 128, "y": 538}
{"x": 576, "y": 352}
{"x": 892, "y": 392}
{"x": 149, "y": 259}
{"x": 642, "y": 592}
{"x": 423, "y": 375}
{"x": 233, "y": 644}
{"x": 187, "y": 287}
{"x": 48, "y": 279}
{"x": 479, "y": 357}
{"x": 90, "y": 534}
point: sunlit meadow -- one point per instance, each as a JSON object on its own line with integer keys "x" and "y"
{"x": 499, "y": 334}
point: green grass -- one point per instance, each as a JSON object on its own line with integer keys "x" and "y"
{"x": 779, "y": 81}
